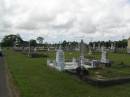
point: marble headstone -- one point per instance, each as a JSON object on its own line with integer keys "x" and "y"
{"x": 82, "y": 48}
{"x": 112, "y": 46}
{"x": 60, "y": 59}
{"x": 35, "y": 50}
{"x": 94, "y": 46}
{"x": 104, "y": 56}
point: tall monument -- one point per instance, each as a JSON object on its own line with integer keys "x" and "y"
{"x": 104, "y": 56}
{"x": 60, "y": 59}
{"x": 81, "y": 53}
{"x": 82, "y": 48}
{"x": 94, "y": 46}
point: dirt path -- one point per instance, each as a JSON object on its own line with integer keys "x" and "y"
{"x": 4, "y": 88}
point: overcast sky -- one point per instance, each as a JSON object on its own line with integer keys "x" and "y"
{"x": 59, "y": 20}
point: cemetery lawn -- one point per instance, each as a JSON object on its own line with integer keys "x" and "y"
{"x": 120, "y": 67}
{"x": 35, "y": 79}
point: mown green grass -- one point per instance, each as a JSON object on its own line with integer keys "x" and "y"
{"x": 120, "y": 66}
{"x": 35, "y": 79}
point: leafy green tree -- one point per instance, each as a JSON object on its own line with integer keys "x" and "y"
{"x": 33, "y": 42}
{"x": 40, "y": 40}
{"x": 64, "y": 44}
{"x": 9, "y": 40}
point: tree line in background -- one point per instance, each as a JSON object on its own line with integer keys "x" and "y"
{"x": 9, "y": 41}
{"x": 118, "y": 44}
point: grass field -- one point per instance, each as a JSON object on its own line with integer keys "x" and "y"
{"x": 35, "y": 79}
{"x": 120, "y": 66}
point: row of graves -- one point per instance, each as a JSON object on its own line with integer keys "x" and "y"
{"x": 93, "y": 48}
{"x": 81, "y": 66}
{"x": 77, "y": 66}
{"x": 31, "y": 51}
{"x": 35, "y": 51}
{"x": 113, "y": 48}
{"x": 81, "y": 62}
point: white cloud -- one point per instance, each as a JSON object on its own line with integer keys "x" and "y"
{"x": 65, "y": 19}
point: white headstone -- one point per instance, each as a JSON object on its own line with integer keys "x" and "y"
{"x": 48, "y": 49}
{"x": 94, "y": 46}
{"x": 82, "y": 48}
{"x": 35, "y": 49}
{"x": 60, "y": 59}
{"x": 112, "y": 46}
{"x": 74, "y": 61}
{"x": 104, "y": 56}
{"x": 81, "y": 53}
{"x": 81, "y": 61}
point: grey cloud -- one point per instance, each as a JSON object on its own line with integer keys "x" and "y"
{"x": 68, "y": 25}
{"x": 82, "y": 17}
